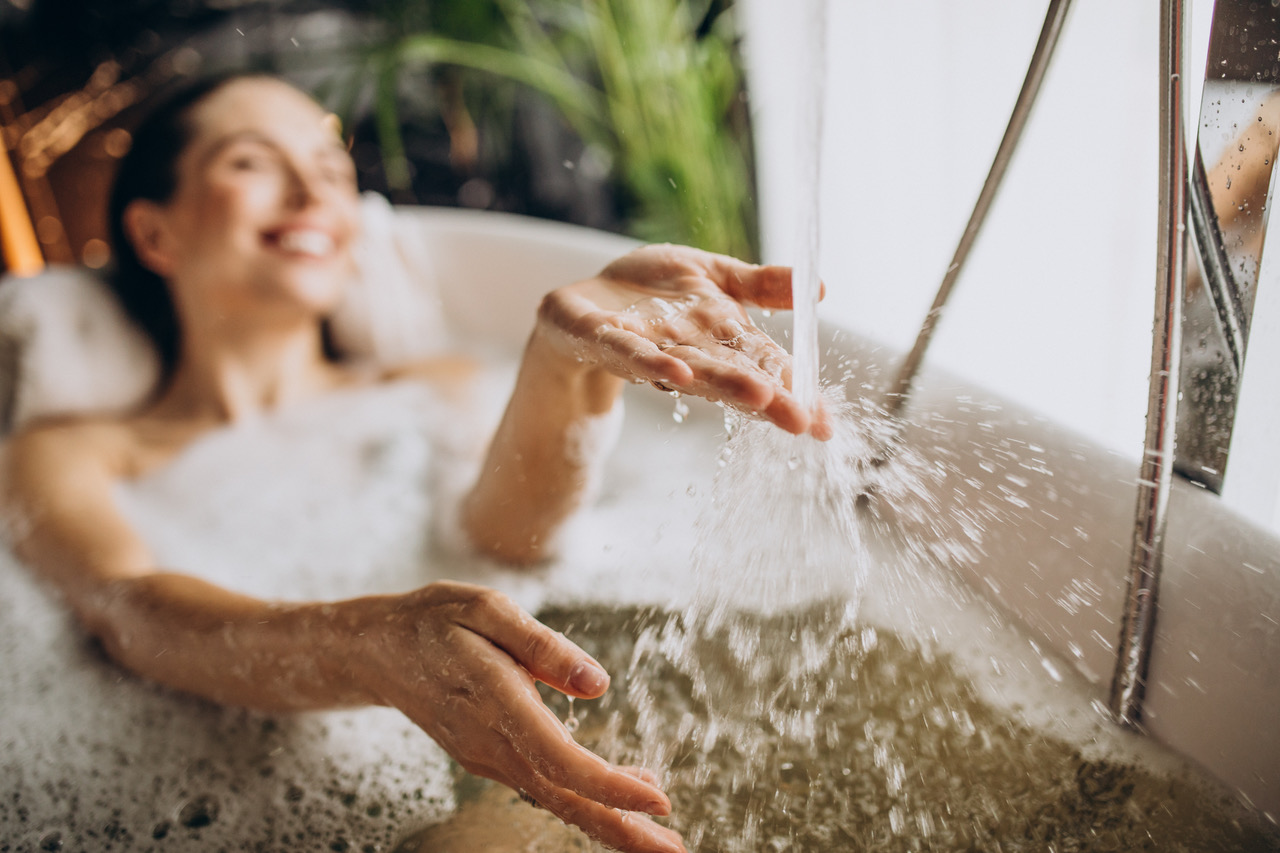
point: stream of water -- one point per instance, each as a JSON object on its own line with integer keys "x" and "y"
{"x": 806, "y": 283}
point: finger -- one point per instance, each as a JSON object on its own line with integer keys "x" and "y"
{"x": 726, "y": 375}
{"x": 756, "y": 381}
{"x": 532, "y": 738}
{"x": 548, "y": 655}
{"x": 820, "y": 426}
{"x": 618, "y": 830}
{"x": 634, "y": 355}
{"x": 762, "y": 286}
{"x": 644, "y": 774}
{"x": 607, "y": 338}
{"x": 765, "y": 286}
{"x": 784, "y": 411}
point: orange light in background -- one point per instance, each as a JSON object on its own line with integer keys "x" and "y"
{"x": 116, "y": 142}
{"x": 18, "y": 241}
{"x": 95, "y": 254}
{"x": 49, "y": 229}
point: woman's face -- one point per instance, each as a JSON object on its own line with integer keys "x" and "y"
{"x": 265, "y": 208}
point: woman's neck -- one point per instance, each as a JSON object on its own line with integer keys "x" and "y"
{"x": 226, "y": 377}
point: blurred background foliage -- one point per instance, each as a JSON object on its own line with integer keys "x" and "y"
{"x": 651, "y": 86}
{"x": 629, "y": 115}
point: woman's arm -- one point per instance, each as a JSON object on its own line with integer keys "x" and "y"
{"x": 458, "y": 660}
{"x": 542, "y": 455}
{"x": 56, "y": 485}
{"x": 668, "y": 315}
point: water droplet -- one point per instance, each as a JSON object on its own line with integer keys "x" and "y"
{"x": 682, "y": 408}
{"x": 571, "y": 721}
{"x": 1051, "y": 669}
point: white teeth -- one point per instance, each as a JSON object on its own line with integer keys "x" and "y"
{"x": 306, "y": 241}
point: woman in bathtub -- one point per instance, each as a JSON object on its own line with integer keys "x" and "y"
{"x": 234, "y": 215}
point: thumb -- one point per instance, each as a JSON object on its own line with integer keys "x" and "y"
{"x": 547, "y": 655}
{"x": 765, "y": 286}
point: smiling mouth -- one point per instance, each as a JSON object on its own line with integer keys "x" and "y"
{"x": 305, "y": 241}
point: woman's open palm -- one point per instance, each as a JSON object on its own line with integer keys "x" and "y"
{"x": 675, "y": 317}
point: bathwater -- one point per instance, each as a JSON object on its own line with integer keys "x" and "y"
{"x": 907, "y": 753}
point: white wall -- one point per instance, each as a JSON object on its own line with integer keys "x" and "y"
{"x": 1055, "y": 305}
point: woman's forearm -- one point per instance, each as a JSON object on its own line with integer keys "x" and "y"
{"x": 542, "y": 454}
{"x": 234, "y": 649}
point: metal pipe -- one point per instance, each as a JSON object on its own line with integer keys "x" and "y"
{"x": 896, "y": 396}
{"x": 1128, "y": 686}
{"x": 1215, "y": 264}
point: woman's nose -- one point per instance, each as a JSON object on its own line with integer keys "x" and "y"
{"x": 303, "y": 185}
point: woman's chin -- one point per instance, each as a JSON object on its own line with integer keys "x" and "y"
{"x": 319, "y": 289}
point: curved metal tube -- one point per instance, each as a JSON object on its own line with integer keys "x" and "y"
{"x": 1216, "y": 265}
{"x": 1155, "y": 479}
{"x": 896, "y": 395}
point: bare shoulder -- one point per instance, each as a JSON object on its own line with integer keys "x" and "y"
{"x": 58, "y": 506}
{"x": 97, "y": 445}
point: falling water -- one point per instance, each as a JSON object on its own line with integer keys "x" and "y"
{"x": 762, "y": 652}
{"x": 806, "y": 283}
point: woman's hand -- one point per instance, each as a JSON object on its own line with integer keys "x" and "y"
{"x": 668, "y": 315}
{"x": 461, "y": 662}
{"x": 674, "y": 317}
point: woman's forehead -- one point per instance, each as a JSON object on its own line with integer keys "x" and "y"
{"x": 262, "y": 106}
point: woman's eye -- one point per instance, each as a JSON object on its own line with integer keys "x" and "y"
{"x": 338, "y": 173}
{"x": 249, "y": 158}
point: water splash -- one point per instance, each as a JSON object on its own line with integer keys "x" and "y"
{"x": 906, "y": 755}
{"x": 772, "y": 634}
